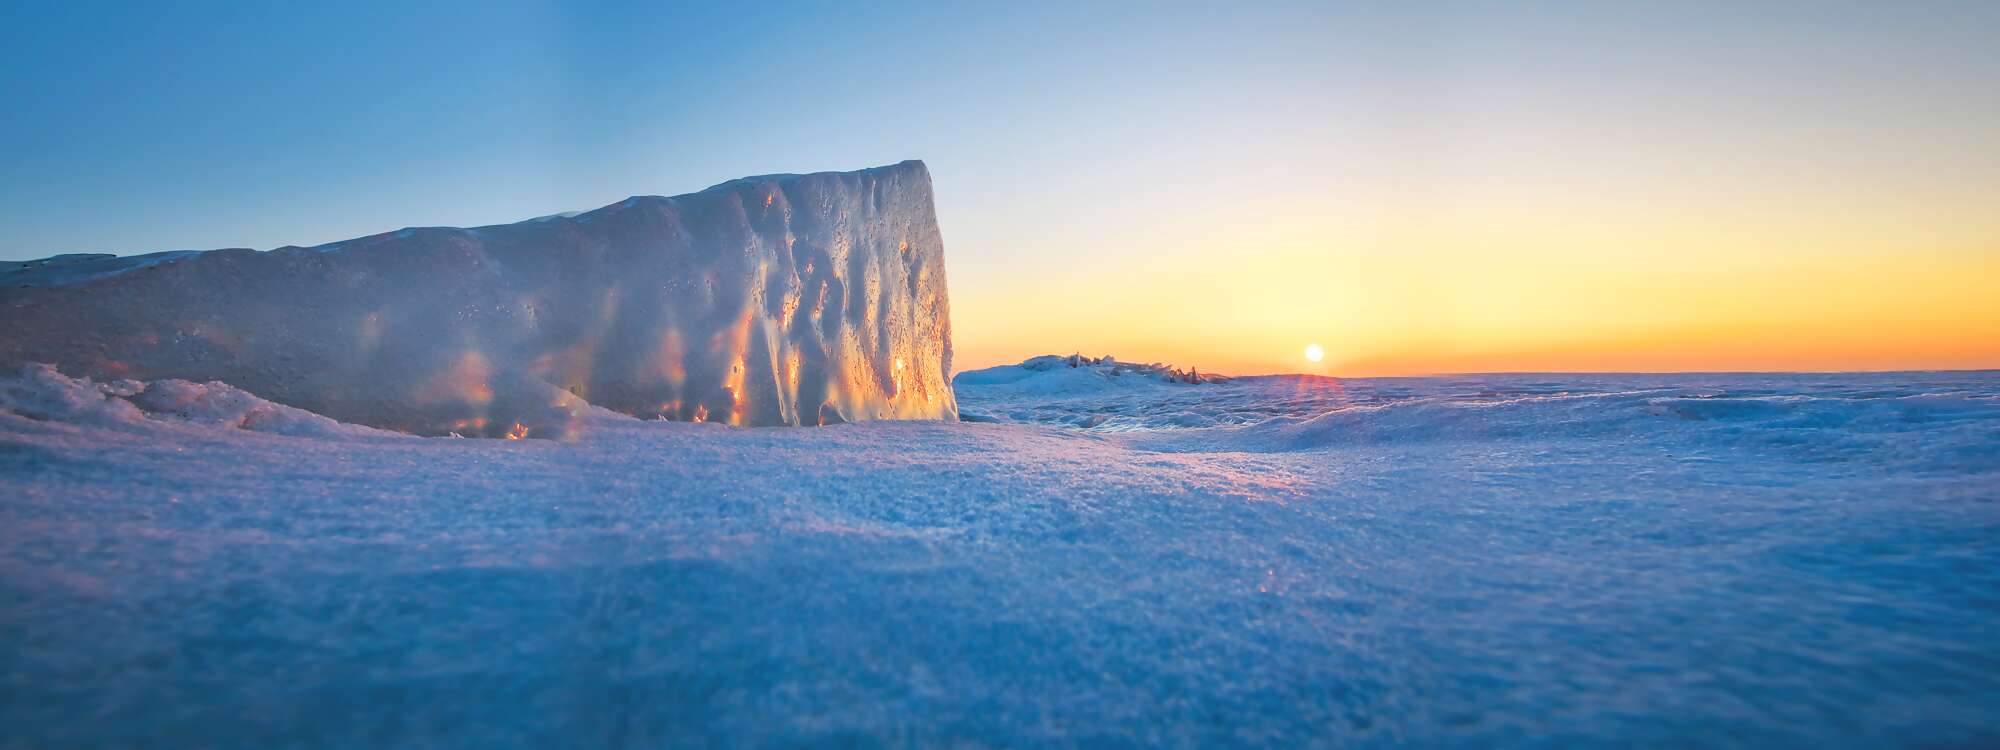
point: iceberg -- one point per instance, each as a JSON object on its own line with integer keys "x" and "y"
{"x": 774, "y": 300}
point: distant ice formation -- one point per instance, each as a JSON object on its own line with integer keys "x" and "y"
{"x": 1063, "y": 372}
{"x": 774, "y": 300}
{"x": 1042, "y": 389}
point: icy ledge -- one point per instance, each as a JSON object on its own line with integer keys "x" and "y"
{"x": 774, "y": 300}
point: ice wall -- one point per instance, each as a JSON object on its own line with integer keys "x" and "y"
{"x": 775, "y": 300}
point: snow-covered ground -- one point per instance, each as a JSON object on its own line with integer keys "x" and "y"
{"x": 1798, "y": 560}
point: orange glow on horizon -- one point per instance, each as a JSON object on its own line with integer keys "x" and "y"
{"x": 1629, "y": 285}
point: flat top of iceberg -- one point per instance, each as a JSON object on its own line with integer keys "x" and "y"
{"x": 77, "y": 268}
{"x": 905, "y": 165}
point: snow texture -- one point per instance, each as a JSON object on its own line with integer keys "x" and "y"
{"x": 1717, "y": 560}
{"x": 775, "y": 300}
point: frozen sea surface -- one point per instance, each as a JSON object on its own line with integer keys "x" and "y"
{"x": 1809, "y": 560}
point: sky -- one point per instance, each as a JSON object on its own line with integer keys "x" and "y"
{"x": 1418, "y": 188}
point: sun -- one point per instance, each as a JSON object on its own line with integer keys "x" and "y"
{"x": 1314, "y": 353}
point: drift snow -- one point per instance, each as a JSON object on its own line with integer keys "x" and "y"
{"x": 1269, "y": 561}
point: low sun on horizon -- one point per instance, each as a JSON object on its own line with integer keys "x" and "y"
{"x": 1314, "y": 353}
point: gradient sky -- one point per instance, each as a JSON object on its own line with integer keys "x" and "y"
{"x": 1456, "y": 187}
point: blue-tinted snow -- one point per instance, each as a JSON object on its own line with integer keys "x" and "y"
{"x": 1746, "y": 560}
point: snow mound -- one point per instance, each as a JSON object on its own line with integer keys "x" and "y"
{"x": 778, "y": 300}
{"x": 43, "y": 393}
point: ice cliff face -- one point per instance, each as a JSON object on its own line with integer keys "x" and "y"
{"x": 776, "y": 300}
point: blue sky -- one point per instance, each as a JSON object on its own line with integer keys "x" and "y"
{"x": 1078, "y": 149}
{"x": 149, "y": 126}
